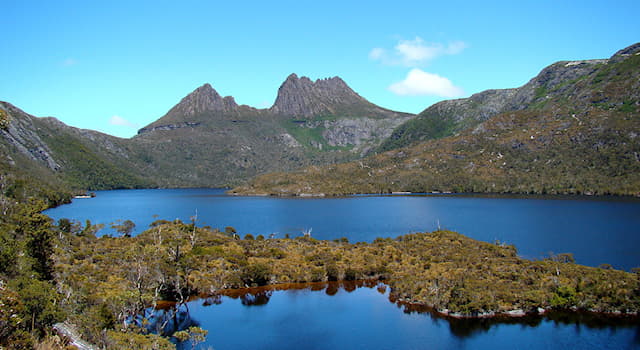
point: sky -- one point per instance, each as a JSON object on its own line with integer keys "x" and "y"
{"x": 116, "y": 66}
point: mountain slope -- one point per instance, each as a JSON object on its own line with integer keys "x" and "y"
{"x": 205, "y": 140}
{"x": 65, "y": 157}
{"x": 579, "y": 134}
{"x": 209, "y": 140}
{"x": 447, "y": 118}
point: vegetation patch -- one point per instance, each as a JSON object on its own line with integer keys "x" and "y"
{"x": 4, "y": 120}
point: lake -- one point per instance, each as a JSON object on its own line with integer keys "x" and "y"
{"x": 596, "y": 230}
{"x": 349, "y": 315}
{"x": 330, "y": 316}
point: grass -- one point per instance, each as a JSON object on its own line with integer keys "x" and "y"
{"x": 311, "y": 137}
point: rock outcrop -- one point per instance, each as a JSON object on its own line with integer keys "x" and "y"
{"x": 201, "y": 100}
{"x": 303, "y": 98}
{"x": 21, "y": 133}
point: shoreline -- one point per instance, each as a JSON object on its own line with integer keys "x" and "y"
{"x": 407, "y": 304}
{"x": 522, "y": 195}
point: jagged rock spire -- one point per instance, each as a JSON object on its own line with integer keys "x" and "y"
{"x": 303, "y": 97}
{"x": 203, "y": 99}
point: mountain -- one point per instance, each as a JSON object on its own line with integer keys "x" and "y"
{"x": 205, "y": 140}
{"x": 574, "y": 128}
{"x": 447, "y": 118}
{"x": 45, "y": 158}
{"x": 202, "y": 101}
{"x": 302, "y": 98}
{"x": 209, "y": 140}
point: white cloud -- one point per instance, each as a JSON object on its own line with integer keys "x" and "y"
{"x": 412, "y": 53}
{"x": 419, "y": 83}
{"x": 119, "y": 121}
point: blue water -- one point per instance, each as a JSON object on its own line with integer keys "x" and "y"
{"x": 363, "y": 318}
{"x": 595, "y": 230}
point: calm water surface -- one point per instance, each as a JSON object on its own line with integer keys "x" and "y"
{"x": 595, "y": 230}
{"x": 346, "y": 317}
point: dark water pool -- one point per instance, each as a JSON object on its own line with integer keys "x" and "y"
{"x": 354, "y": 316}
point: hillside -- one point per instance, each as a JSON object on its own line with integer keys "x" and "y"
{"x": 450, "y": 117}
{"x": 47, "y": 154}
{"x": 205, "y": 140}
{"x": 209, "y": 140}
{"x": 577, "y": 134}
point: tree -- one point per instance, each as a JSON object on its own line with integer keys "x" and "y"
{"x": 124, "y": 227}
{"x": 90, "y": 230}
{"x": 36, "y": 229}
{"x": 257, "y": 273}
{"x": 10, "y": 314}
{"x": 8, "y": 254}
{"x": 40, "y": 303}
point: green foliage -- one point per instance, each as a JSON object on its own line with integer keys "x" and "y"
{"x": 11, "y": 314}
{"x": 629, "y": 106}
{"x": 124, "y": 227}
{"x": 426, "y": 126}
{"x": 564, "y": 297}
{"x": 257, "y": 274}
{"x": 194, "y": 335}
{"x": 4, "y": 120}
{"x": 311, "y": 137}
{"x": 36, "y": 229}
{"x": 136, "y": 341}
{"x": 541, "y": 91}
{"x": 441, "y": 269}
{"x": 87, "y": 168}
{"x": 40, "y": 303}
{"x": 8, "y": 253}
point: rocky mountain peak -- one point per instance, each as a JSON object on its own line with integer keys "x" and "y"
{"x": 201, "y": 100}
{"x": 302, "y": 97}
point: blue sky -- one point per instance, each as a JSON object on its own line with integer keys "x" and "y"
{"x": 115, "y": 66}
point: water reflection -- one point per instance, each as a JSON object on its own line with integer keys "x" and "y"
{"x": 169, "y": 319}
{"x": 361, "y": 314}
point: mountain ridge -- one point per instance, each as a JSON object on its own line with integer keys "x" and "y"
{"x": 575, "y": 131}
{"x": 205, "y": 140}
{"x": 208, "y": 140}
{"x": 304, "y": 98}
{"x": 310, "y": 123}
{"x": 446, "y": 118}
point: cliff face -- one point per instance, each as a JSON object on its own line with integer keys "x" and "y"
{"x": 303, "y": 98}
{"x": 21, "y": 136}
